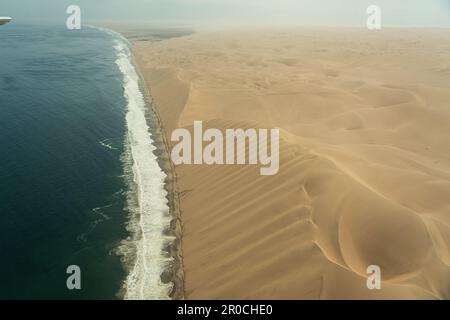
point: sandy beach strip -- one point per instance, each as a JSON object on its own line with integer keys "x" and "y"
{"x": 365, "y": 165}
{"x": 174, "y": 274}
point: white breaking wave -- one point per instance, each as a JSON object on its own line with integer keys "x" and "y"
{"x": 151, "y": 207}
{"x": 106, "y": 144}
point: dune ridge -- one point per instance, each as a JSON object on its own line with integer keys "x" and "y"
{"x": 364, "y": 161}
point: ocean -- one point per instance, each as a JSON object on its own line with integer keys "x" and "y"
{"x": 79, "y": 181}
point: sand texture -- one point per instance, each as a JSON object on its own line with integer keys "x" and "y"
{"x": 364, "y": 161}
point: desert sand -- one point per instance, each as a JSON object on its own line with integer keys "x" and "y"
{"x": 364, "y": 172}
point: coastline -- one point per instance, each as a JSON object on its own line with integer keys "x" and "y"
{"x": 166, "y": 262}
{"x": 175, "y": 273}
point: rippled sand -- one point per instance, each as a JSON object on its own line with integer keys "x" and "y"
{"x": 365, "y": 161}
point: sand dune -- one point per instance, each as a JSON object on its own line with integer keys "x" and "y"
{"x": 364, "y": 166}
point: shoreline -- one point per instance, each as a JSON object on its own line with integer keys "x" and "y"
{"x": 174, "y": 274}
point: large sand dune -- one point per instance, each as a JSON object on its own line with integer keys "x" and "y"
{"x": 364, "y": 166}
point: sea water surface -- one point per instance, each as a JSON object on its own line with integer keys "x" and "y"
{"x": 79, "y": 183}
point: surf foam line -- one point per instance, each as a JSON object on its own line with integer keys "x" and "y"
{"x": 149, "y": 206}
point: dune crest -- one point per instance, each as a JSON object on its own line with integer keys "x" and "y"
{"x": 364, "y": 161}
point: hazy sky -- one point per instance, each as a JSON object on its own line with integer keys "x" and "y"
{"x": 292, "y": 12}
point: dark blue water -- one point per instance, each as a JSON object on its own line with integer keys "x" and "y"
{"x": 62, "y": 127}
